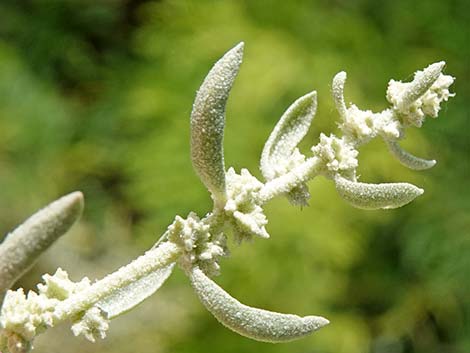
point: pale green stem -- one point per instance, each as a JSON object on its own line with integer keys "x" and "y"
{"x": 156, "y": 258}
{"x": 287, "y": 182}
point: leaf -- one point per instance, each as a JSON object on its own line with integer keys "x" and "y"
{"x": 208, "y": 121}
{"x": 128, "y": 297}
{"x": 289, "y": 131}
{"x": 407, "y": 159}
{"x": 25, "y": 244}
{"x": 422, "y": 81}
{"x": 258, "y": 324}
{"x": 375, "y": 196}
{"x": 338, "y": 93}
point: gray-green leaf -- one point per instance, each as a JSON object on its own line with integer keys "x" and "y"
{"x": 289, "y": 131}
{"x": 375, "y": 196}
{"x": 128, "y": 297}
{"x": 421, "y": 83}
{"x": 407, "y": 159}
{"x": 208, "y": 121}
{"x": 25, "y": 244}
{"x": 338, "y": 93}
{"x": 258, "y": 324}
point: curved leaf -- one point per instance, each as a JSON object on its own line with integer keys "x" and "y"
{"x": 407, "y": 159}
{"x": 258, "y": 324}
{"x": 422, "y": 81}
{"x": 25, "y": 244}
{"x": 128, "y": 297}
{"x": 375, "y": 196}
{"x": 338, "y": 93}
{"x": 289, "y": 131}
{"x": 208, "y": 121}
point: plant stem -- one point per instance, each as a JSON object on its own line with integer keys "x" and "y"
{"x": 158, "y": 257}
{"x": 287, "y": 182}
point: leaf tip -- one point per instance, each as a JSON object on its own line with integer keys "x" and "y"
{"x": 75, "y": 200}
{"x": 317, "y": 322}
{"x": 70, "y": 206}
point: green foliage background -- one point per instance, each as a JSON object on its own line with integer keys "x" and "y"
{"x": 96, "y": 96}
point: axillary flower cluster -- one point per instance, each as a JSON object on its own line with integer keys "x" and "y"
{"x": 196, "y": 244}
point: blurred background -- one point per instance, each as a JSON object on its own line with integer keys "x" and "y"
{"x": 96, "y": 96}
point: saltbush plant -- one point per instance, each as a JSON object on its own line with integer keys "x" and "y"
{"x": 196, "y": 243}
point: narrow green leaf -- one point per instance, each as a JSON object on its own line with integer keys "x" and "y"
{"x": 375, "y": 196}
{"x": 289, "y": 131}
{"x": 128, "y": 297}
{"x": 25, "y": 244}
{"x": 258, "y": 324}
{"x": 208, "y": 121}
{"x": 407, "y": 159}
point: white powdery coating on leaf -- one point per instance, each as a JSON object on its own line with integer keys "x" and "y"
{"x": 208, "y": 121}
{"x": 338, "y": 93}
{"x": 280, "y": 152}
{"x": 375, "y": 196}
{"x": 407, "y": 159}
{"x": 128, "y": 297}
{"x": 423, "y": 96}
{"x": 25, "y": 244}
{"x": 243, "y": 205}
{"x": 257, "y": 324}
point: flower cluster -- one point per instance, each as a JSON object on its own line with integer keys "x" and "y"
{"x": 199, "y": 246}
{"x": 25, "y": 316}
{"x": 423, "y": 96}
{"x": 360, "y": 126}
{"x": 337, "y": 155}
{"x": 243, "y": 208}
